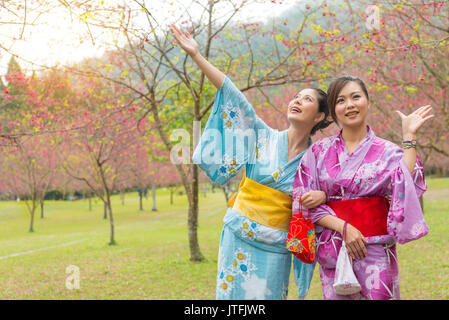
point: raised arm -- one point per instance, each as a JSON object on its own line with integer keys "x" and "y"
{"x": 190, "y": 46}
{"x": 410, "y": 127}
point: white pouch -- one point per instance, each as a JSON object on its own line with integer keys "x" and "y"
{"x": 345, "y": 281}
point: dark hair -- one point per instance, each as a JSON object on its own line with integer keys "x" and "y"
{"x": 322, "y": 107}
{"x": 335, "y": 88}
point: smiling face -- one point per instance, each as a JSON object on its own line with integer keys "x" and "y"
{"x": 303, "y": 108}
{"x": 351, "y": 106}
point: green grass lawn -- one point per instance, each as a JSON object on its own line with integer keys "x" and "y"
{"x": 151, "y": 258}
{"x": 438, "y": 183}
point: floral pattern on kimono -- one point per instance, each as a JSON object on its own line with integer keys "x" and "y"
{"x": 375, "y": 168}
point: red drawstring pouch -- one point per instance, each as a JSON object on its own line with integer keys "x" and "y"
{"x": 301, "y": 237}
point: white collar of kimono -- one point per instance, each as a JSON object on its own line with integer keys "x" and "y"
{"x": 369, "y": 134}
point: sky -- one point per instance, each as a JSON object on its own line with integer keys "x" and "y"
{"x": 59, "y": 37}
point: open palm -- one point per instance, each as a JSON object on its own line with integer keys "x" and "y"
{"x": 185, "y": 40}
{"x": 414, "y": 121}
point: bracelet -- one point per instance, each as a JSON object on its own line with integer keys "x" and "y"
{"x": 409, "y": 144}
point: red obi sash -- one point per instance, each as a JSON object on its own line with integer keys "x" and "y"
{"x": 368, "y": 215}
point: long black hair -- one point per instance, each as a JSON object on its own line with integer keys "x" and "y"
{"x": 324, "y": 108}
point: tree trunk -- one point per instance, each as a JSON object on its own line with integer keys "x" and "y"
{"x": 192, "y": 221}
{"x": 172, "y": 191}
{"x": 111, "y": 221}
{"x": 90, "y": 203}
{"x": 122, "y": 196}
{"x": 33, "y": 209}
{"x": 226, "y": 191}
{"x": 42, "y": 209}
{"x": 141, "y": 201}
{"x": 105, "y": 213}
{"x": 153, "y": 190}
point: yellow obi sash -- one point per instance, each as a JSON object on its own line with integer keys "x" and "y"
{"x": 262, "y": 204}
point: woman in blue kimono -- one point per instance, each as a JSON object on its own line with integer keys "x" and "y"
{"x": 253, "y": 262}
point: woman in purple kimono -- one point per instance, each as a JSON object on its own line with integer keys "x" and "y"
{"x": 373, "y": 188}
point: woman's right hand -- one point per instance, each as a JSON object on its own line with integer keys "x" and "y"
{"x": 185, "y": 40}
{"x": 355, "y": 242}
{"x": 313, "y": 199}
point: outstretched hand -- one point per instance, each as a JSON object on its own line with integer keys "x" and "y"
{"x": 185, "y": 40}
{"x": 414, "y": 121}
{"x": 190, "y": 46}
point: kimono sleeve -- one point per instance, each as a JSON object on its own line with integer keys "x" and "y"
{"x": 418, "y": 178}
{"x": 405, "y": 218}
{"x": 229, "y": 138}
{"x": 307, "y": 179}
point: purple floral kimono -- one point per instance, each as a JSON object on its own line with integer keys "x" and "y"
{"x": 375, "y": 168}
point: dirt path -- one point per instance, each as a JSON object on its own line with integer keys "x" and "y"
{"x": 41, "y": 249}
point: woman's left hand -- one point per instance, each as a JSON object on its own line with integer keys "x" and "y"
{"x": 313, "y": 199}
{"x": 185, "y": 40}
{"x": 414, "y": 121}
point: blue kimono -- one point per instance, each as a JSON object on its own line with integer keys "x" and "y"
{"x": 253, "y": 262}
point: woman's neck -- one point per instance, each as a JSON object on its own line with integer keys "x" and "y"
{"x": 298, "y": 140}
{"x": 352, "y": 136}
